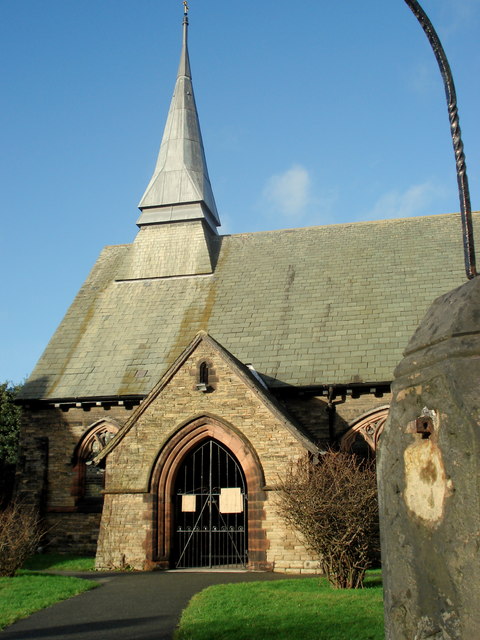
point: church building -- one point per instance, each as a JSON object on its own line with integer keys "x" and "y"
{"x": 193, "y": 368}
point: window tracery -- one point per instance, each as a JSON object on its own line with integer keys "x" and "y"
{"x": 89, "y": 479}
{"x": 366, "y": 429}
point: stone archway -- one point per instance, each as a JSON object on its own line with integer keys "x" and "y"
{"x": 369, "y": 427}
{"x": 165, "y": 471}
{"x": 210, "y": 510}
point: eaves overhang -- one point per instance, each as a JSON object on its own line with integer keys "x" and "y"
{"x": 85, "y": 403}
{"x": 334, "y": 390}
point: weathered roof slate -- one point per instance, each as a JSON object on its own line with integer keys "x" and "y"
{"x": 321, "y": 305}
{"x": 239, "y": 369}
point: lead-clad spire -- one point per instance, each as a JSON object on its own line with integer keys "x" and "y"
{"x": 180, "y": 187}
{"x": 184, "y": 66}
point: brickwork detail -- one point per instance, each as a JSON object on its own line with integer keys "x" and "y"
{"x": 47, "y": 475}
{"x": 286, "y": 552}
{"x": 162, "y": 431}
{"x": 72, "y": 532}
{"x": 166, "y": 250}
{"x": 233, "y": 409}
{"x": 125, "y": 528}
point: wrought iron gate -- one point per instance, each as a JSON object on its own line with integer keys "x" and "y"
{"x": 210, "y": 510}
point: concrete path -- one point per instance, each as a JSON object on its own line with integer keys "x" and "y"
{"x": 127, "y": 606}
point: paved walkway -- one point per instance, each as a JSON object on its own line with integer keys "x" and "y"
{"x": 127, "y": 606}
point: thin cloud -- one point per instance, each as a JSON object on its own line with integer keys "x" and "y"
{"x": 456, "y": 15}
{"x": 288, "y": 193}
{"x": 424, "y": 78}
{"x": 417, "y": 200}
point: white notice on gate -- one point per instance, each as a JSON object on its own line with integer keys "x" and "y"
{"x": 231, "y": 500}
{"x": 189, "y": 503}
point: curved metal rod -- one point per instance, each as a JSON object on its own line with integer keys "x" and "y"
{"x": 462, "y": 179}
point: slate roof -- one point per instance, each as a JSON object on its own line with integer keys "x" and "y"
{"x": 320, "y": 305}
{"x": 267, "y": 399}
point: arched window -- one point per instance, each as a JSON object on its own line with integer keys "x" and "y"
{"x": 364, "y": 433}
{"x": 89, "y": 478}
{"x": 203, "y": 377}
{"x": 203, "y": 373}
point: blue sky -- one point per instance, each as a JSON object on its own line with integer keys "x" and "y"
{"x": 311, "y": 113}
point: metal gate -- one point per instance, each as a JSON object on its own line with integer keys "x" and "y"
{"x": 210, "y": 510}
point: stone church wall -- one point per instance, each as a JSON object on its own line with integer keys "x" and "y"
{"x": 49, "y": 437}
{"x": 353, "y": 408}
{"x": 286, "y": 553}
{"x": 312, "y": 413}
{"x": 72, "y": 532}
{"x": 125, "y": 530}
{"x": 127, "y": 525}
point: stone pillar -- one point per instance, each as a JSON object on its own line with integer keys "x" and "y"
{"x": 428, "y": 474}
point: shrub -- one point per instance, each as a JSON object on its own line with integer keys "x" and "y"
{"x": 333, "y": 504}
{"x": 20, "y": 535}
{"x": 9, "y": 429}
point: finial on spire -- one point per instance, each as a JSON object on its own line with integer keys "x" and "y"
{"x": 185, "y": 7}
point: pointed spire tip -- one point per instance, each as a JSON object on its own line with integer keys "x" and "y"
{"x": 180, "y": 188}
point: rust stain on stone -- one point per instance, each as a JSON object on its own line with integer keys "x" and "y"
{"x": 426, "y": 485}
{"x": 429, "y": 473}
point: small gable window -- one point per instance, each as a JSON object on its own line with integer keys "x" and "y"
{"x": 203, "y": 377}
{"x": 206, "y": 377}
{"x": 203, "y": 374}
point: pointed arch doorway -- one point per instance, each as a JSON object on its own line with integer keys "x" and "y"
{"x": 210, "y": 510}
{"x": 175, "y": 458}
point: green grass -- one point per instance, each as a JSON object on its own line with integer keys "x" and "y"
{"x": 308, "y": 609}
{"x": 59, "y": 562}
{"x": 28, "y": 592}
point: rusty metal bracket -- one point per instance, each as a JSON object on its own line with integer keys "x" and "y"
{"x": 462, "y": 179}
{"x": 424, "y": 425}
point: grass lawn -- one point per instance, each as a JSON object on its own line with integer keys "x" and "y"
{"x": 59, "y": 562}
{"x": 307, "y": 609}
{"x": 28, "y": 591}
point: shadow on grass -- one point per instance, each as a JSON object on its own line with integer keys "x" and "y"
{"x": 306, "y": 608}
{"x": 373, "y": 583}
{"x": 373, "y": 579}
{"x": 323, "y": 628}
{"x": 59, "y": 562}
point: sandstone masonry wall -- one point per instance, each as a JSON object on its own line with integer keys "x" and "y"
{"x": 46, "y": 474}
{"x": 50, "y": 436}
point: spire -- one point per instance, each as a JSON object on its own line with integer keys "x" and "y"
{"x": 180, "y": 187}
{"x": 184, "y": 66}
